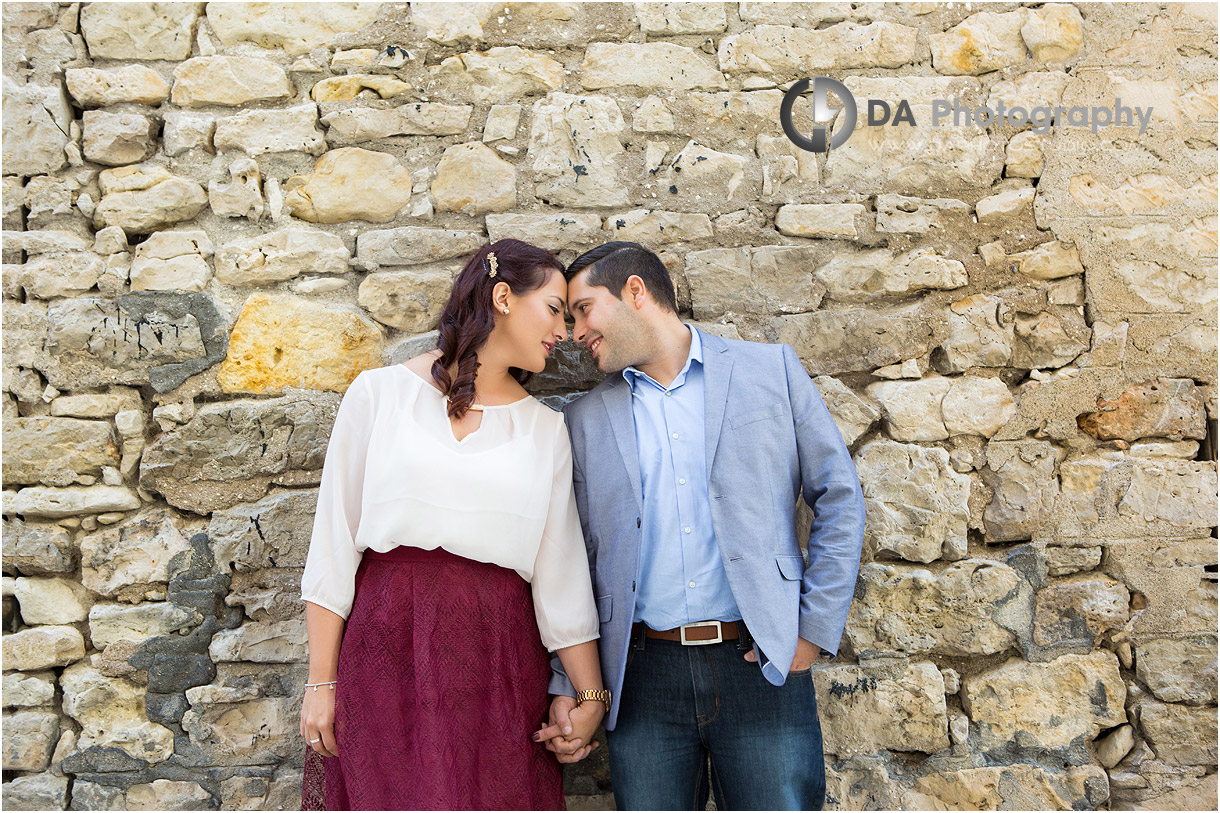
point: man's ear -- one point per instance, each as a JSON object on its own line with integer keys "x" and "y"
{"x": 635, "y": 292}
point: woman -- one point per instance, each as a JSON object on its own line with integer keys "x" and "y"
{"x": 446, "y": 554}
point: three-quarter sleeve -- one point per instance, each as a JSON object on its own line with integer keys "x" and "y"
{"x": 330, "y": 569}
{"x": 563, "y": 591}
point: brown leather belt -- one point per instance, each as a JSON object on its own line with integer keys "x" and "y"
{"x": 699, "y": 632}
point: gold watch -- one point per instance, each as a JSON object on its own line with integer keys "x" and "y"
{"x": 594, "y": 694}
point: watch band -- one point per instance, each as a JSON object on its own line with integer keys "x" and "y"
{"x": 594, "y": 694}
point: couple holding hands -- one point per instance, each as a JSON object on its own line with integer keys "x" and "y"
{"x": 646, "y": 537}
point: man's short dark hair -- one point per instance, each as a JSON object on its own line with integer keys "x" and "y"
{"x": 615, "y": 262}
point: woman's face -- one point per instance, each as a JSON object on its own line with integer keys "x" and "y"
{"x": 534, "y": 323}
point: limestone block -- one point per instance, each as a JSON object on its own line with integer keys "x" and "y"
{"x": 1025, "y": 488}
{"x": 498, "y": 75}
{"x": 977, "y": 337}
{"x": 282, "y": 254}
{"x": 1054, "y": 32}
{"x": 854, "y": 339}
{"x": 241, "y": 195}
{"x": 653, "y": 227}
{"x": 1053, "y": 260}
{"x": 1114, "y": 746}
{"x": 228, "y": 80}
{"x": 56, "y": 451}
{"x": 700, "y": 177}
{"x": 1178, "y": 670}
{"x": 357, "y": 124}
{"x": 131, "y": 559}
{"x": 553, "y": 232}
{"x": 1005, "y": 206}
{"x": 96, "y": 796}
{"x": 977, "y": 406}
{"x": 415, "y": 245}
{"x": 872, "y": 272}
{"x": 1046, "y": 705}
{"x": 819, "y": 219}
{"x": 981, "y": 43}
{"x": 354, "y": 58}
{"x": 33, "y": 548}
{"x": 255, "y": 731}
{"x": 902, "y": 214}
{"x": 111, "y": 714}
{"x": 42, "y": 791}
{"x": 576, "y": 144}
{"x": 25, "y": 690}
{"x": 144, "y": 199}
{"x": 408, "y": 300}
{"x": 36, "y": 122}
{"x": 45, "y": 241}
{"x": 1030, "y": 90}
{"x": 139, "y": 30}
{"x": 680, "y": 18}
{"x": 916, "y": 505}
{"x": 450, "y": 23}
{"x": 166, "y": 794}
{"x": 852, "y": 414}
{"x": 924, "y": 161}
{"x": 297, "y": 28}
{"x": 767, "y": 279}
{"x": 270, "y": 595}
{"x": 172, "y": 260}
{"x": 899, "y": 608}
{"x": 278, "y": 440}
{"x": 109, "y": 623}
{"x": 1023, "y": 158}
{"x": 788, "y": 173}
{"x": 255, "y": 132}
{"x": 54, "y": 275}
{"x": 42, "y": 647}
{"x": 912, "y": 409}
{"x": 653, "y": 116}
{"x": 1079, "y": 610}
{"x": 1010, "y": 787}
{"x": 1063, "y": 561}
{"x": 787, "y": 51}
{"x": 1181, "y": 493}
{"x": 115, "y": 139}
{"x": 337, "y": 190}
{"x": 650, "y": 65}
{"x": 94, "y": 87}
{"x": 29, "y": 737}
{"x": 1180, "y": 735}
{"x": 285, "y": 341}
{"x": 501, "y": 123}
{"x": 865, "y": 709}
{"x": 274, "y": 642}
{"x": 472, "y": 179}
{"x": 348, "y": 87}
{"x": 185, "y": 130}
{"x": 52, "y": 600}
{"x": 1165, "y": 407}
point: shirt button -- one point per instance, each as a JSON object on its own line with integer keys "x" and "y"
{"x": 692, "y": 584}
{"x": 675, "y": 436}
{"x": 686, "y": 530}
{"x": 668, "y": 393}
{"x": 681, "y": 481}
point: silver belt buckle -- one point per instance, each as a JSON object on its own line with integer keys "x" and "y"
{"x": 719, "y": 633}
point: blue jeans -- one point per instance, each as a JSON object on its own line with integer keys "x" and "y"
{"x": 682, "y": 704}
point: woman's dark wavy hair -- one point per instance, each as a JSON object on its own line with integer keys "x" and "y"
{"x": 469, "y": 315}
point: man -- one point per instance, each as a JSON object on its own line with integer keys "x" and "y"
{"x": 688, "y": 461}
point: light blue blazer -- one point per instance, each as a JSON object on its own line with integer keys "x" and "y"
{"x": 769, "y": 439}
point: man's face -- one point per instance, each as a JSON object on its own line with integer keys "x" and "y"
{"x": 605, "y": 324}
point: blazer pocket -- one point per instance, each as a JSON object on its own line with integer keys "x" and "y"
{"x": 603, "y": 608}
{"x": 791, "y": 567}
{"x": 755, "y": 415}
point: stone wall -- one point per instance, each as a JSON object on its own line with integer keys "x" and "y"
{"x": 216, "y": 215}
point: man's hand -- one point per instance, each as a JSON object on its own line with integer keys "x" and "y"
{"x": 568, "y": 722}
{"x": 806, "y": 654}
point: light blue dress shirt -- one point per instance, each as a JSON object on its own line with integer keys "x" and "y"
{"x": 681, "y": 575}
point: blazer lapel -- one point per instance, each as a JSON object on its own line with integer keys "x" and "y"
{"x": 717, "y": 369}
{"x": 617, "y": 399}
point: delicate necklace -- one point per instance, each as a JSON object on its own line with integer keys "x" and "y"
{"x": 472, "y": 408}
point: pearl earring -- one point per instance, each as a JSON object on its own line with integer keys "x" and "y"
{"x": 506, "y": 311}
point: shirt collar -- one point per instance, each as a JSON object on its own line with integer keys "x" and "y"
{"x": 633, "y": 376}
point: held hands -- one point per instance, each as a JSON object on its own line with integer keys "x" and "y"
{"x": 806, "y": 654}
{"x": 318, "y": 720}
{"x": 569, "y": 734}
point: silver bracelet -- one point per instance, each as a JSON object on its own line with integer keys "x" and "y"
{"x": 315, "y": 686}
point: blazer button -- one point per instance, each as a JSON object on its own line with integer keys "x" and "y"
{"x": 637, "y": 522}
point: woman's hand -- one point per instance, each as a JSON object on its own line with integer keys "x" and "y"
{"x": 585, "y": 719}
{"x": 318, "y": 720}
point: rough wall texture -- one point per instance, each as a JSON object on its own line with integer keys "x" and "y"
{"x": 217, "y": 214}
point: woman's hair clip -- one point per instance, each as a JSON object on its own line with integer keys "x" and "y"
{"x": 490, "y": 260}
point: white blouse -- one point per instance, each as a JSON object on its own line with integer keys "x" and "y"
{"x": 395, "y": 474}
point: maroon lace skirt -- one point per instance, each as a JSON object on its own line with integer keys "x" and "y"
{"x": 442, "y": 680}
